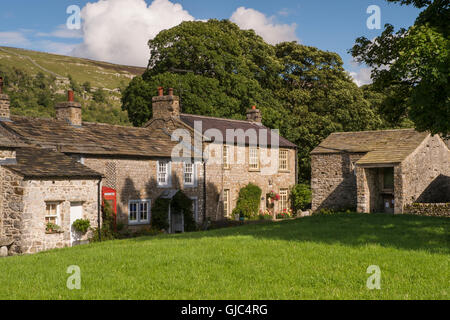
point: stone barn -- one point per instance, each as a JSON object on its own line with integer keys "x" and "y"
{"x": 380, "y": 171}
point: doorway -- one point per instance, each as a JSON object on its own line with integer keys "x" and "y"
{"x": 176, "y": 221}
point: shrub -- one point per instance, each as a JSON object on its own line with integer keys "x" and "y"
{"x": 301, "y": 197}
{"x": 82, "y": 225}
{"x": 248, "y": 201}
{"x": 159, "y": 217}
{"x": 107, "y": 229}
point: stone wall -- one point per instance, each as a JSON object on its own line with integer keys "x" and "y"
{"x": 135, "y": 179}
{"x": 428, "y": 209}
{"x": 4, "y": 106}
{"x": 333, "y": 180}
{"x": 11, "y": 208}
{"x": 239, "y": 175}
{"x": 36, "y": 193}
{"x": 426, "y": 173}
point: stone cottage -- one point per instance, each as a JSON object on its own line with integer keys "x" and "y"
{"x": 380, "y": 171}
{"x": 63, "y": 162}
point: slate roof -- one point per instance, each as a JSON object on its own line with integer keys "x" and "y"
{"x": 223, "y": 124}
{"x": 40, "y": 163}
{"x": 92, "y": 138}
{"x": 385, "y": 146}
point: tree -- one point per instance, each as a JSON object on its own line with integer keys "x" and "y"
{"x": 220, "y": 70}
{"x": 413, "y": 66}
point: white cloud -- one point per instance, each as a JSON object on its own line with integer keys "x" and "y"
{"x": 13, "y": 39}
{"x": 264, "y": 26}
{"x": 118, "y": 31}
{"x": 62, "y": 32}
{"x": 362, "y": 76}
{"x": 55, "y": 47}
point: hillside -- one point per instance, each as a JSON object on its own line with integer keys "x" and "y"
{"x": 32, "y": 75}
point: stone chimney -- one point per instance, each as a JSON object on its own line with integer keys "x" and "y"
{"x": 69, "y": 111}
{"x": 4, "y": 103}
{"x": 254, "y": 115}
{"x": 165, "y": 106}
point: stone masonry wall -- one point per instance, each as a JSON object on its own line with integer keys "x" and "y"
{"x": 239, "y": 175}
{"x": 333, "y": 180}
{"x": 136, "y": 180}
{"x": 4, "y": 106}
{"x": 11, "y": 208}
{"x": 36, "y": 193}
{"x": 426, "y": 173}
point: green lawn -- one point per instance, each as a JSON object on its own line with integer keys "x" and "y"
{"x": 319, "y": 257}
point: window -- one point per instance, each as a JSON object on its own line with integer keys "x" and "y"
{"x": 189, "y": 173}
{"x": 226, "y": 157}
{"x": 388, "y": 178}
{"x": 226, "y": 203}
{"x": 52, "y": 213}
{"x": 253, "y": 158}
{"x": 139, "y": 212}
{"x": 283, "y": 160}
{"x": 284, "y": 199}
{"x": 163, "y": 173}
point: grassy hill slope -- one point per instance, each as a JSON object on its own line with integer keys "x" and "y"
{"x": 35, "y": 81}
{"x": 318, "y": 257}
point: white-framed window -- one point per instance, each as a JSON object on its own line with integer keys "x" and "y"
{"x": 52, "y": 213}
{"x": 284, "y": 203}
{"x": 226, "y": 202}
{"x": 283, "y": 163}
{"x": 189, "y": 173}
{"x": 139, "y": 211}
{"x": 253, "y": 158}
{"x": 163, "y": 173}
{"x": 226, "y": 156}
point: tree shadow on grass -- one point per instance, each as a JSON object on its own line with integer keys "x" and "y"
{"x": 396, "y": 231}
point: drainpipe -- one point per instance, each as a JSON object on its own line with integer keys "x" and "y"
{"x": 204, "y": 190}
{"x": 99, "y": 209}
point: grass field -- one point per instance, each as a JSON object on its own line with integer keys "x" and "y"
{"x": 319, "y": 257}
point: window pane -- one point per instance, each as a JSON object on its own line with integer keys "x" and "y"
{"x": 133, "y": 212}
{"x": 253, "y": 158}
{"x": 388, "y": 178}
{"x": 162, "y": 172}
{"x": 143, "y": 211}
{"x": 284, "y": 199}
{"x": 188, "y": 173}
{"x": 226, "y": 154}
{"x": 283, "y": 161}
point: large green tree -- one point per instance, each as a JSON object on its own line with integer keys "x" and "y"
{"x": 220, "y": 70}
{"x": 412, "y": 66}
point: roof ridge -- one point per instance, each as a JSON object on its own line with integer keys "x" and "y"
{"x": 218, "y": 118}
{"x": 386, "y": 130}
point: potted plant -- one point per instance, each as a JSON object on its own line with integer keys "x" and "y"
{"x": 51, "y": 228}
{"x": 81, "y": 225}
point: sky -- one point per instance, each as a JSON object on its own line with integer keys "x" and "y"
{"x": 118, "y": 30}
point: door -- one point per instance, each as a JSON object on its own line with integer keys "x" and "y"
{"x": 76, "y": 212}
{"x": 388, "y": 201}
{"x": 176, "y": 222}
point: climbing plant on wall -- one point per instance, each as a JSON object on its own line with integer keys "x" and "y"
{"x": 180, "y": 203}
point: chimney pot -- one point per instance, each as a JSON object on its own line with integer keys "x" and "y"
{"x": 170, "y": 91}
{"x": 70, "y": 96}
{"x": 160, "y": 91}
{"x": 254, "y": 107}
